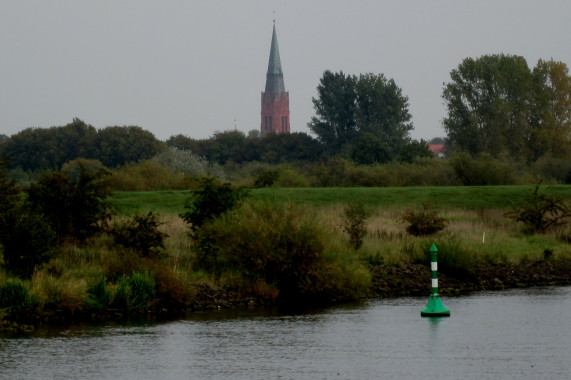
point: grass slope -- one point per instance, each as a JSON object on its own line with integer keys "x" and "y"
{"x": 458, "y": 197}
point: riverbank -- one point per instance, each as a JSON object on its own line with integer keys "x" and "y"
{"x": 388, "y": 281}
{"x": 414, "y": 279}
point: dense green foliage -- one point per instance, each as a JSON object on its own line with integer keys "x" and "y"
{"x": 281, "y": 246}
{"x": 497, "y": 105}
{"x": 74, "y": 208}
{"x": 209, "y": 201}
{"x": 25, "y": 236}
{"x": 141, "y": 234}
{"x": 56, "y": 208}
{"x": 366, "y": 116}
{"x": 234, "y": 146}
{"x": 36, "y": 149}
{"x": 136, "y": 291}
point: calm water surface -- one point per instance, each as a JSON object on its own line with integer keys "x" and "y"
{"x": 516, "y": 334}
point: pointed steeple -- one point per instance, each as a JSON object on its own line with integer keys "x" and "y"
{"x": 275, "y": 76}
{"x": 275, "y": 99}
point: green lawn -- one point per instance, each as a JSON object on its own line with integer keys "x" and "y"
{"x": 170, "y": 202}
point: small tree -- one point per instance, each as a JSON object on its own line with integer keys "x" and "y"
{"x": 211, "y": 200}
{"x": 140, "y": 234}
{"x": 540, "y": 212}
{"x": 74, "y": 207}
{"x": 423, "y": 222}
{"x": 267, "y": 178}
{"x": 354, "y": 223}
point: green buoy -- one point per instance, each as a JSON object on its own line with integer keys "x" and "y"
{"x": 435, "y": 308}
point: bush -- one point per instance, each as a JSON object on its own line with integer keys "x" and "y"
{"x": 281, "y": 246}
{"x": 354, "y": 223}
{"x": 267, "y": 178}
{"x": 136, "y": 291}
{"x": 209, "y": 201}
{"x": 140, "y": 234}
{"x": 485, "y": 170}
{"x": 423, "y": 222}
{"x": 540, "y": 212}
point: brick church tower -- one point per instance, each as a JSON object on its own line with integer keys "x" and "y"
{"x": 275, "y": 99}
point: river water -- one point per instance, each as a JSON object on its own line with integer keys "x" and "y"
{"x": 513, "y": 334}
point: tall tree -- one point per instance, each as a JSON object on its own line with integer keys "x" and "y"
{"x": 49, "y": 148}
{"x": 350, "y": 108}
{"x": 121, "y": 145}
{"x": 488, "y": 103}
{"x": 551, "y": 110}
{"x": 335, "y": 124}
{"x": 382, "y": 110}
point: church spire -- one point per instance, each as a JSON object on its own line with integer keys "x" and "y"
{"x": 275, "y": 99}
{"x": 275, "y": 76}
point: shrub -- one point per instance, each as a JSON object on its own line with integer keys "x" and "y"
{"x": 267, "y": 178}
{"x": 282, "y": 246}
{"x": 136, "y": 291}
{"x": 140, "y": 234}
{"x": 290, "y": 177}
{"x": 209, "y": 201}
{"x": 540, "y": 212}
{"x": 423, "y": 222}
{"x": 354, "y": 223}
{"x": 485, "y": 170}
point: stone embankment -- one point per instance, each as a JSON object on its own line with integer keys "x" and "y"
{"x": 414, "y": 279}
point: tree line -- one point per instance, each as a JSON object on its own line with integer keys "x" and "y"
{"x": 495, "y": 105}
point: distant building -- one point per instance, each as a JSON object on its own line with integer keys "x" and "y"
{"x": 436, "y": 146}
{"x": 275, "y": 99}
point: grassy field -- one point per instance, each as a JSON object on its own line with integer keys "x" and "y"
{"x": 477, "y": 226}
{"x": 472, "y": 198}
{"x": 98, "y": 275}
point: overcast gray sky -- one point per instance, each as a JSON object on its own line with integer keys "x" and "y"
{"x": 196, "y": 67}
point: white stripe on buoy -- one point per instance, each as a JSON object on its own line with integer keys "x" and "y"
{"x": 435, "y": 283}
{"x": 434, "y": 266}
